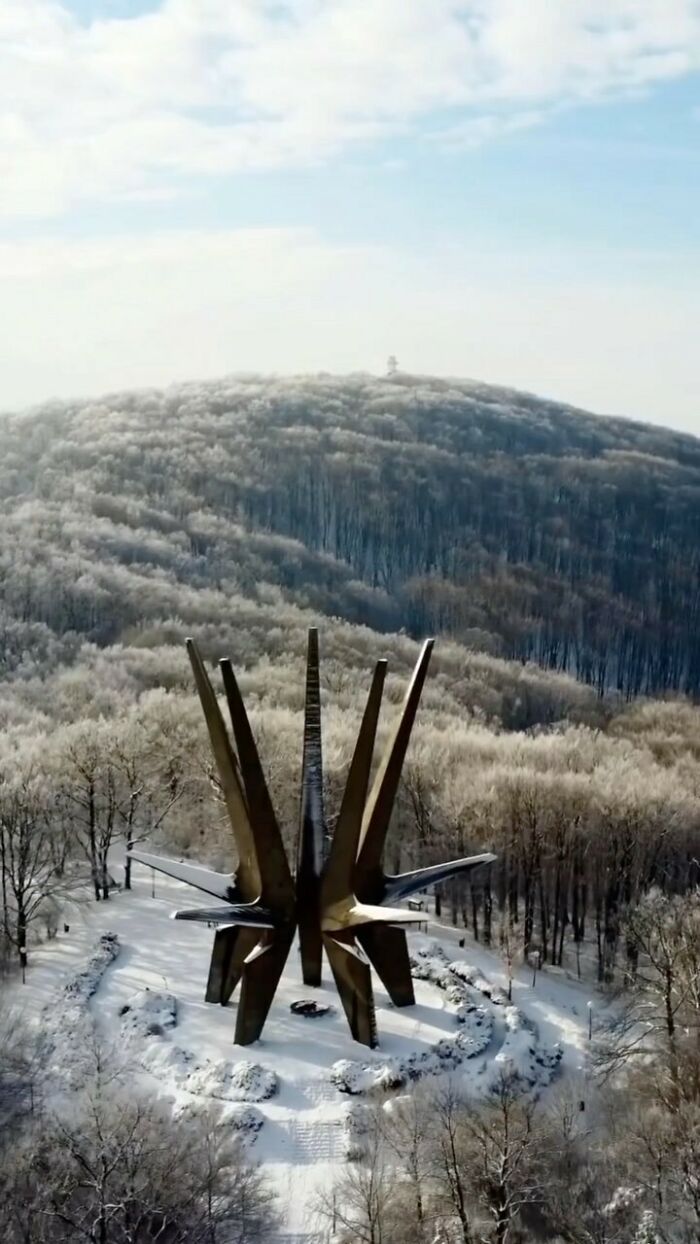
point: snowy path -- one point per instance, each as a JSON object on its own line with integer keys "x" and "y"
{"x": 303, "y": 1140}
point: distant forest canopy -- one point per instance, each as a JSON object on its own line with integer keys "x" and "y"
{"x": 515, "y": 526}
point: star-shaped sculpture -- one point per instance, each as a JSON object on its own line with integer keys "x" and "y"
{"x": 338, "y": 903}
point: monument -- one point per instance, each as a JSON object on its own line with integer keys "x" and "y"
{"x": 337, "y": 900}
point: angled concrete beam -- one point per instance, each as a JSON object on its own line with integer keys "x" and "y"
{"x": 276, "y": 878}
{"x": 261, "y": 974}
{"x": 385, "y": 947}
{"x": 338, "y": 875}
{"x": 231, "y": 948}
{"x": 248, "y": 877}
{"x": 220, "y": 885}
{"x": 400, "y": 885}
{"x": 354, "y": 914}
{"x": 248, "y": 915}
{"x": 375, "y": 822}
{"x": 353, "y": 980}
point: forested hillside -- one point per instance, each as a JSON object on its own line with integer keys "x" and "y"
{"x": 516, "y": 526}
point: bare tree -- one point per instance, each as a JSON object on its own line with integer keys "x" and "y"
{"x": 21, "y": 1075}
{"x": 362, "y": 1205}
{"x": 661, "y": 1004}
{"x": 90, "y": 797}
{"x": 32, "y": 856}
{"x": 117, "y": 1169}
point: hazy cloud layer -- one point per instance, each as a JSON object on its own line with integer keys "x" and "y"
{"x": 82, "y": 317}
{"x": 133, "y": 106}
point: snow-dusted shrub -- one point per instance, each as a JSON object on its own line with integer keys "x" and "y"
{"x": 472, "y": 976}
{"x": 246, "y": 1121}
{"x": 230, "y": 1081}
{"x": 428, "y": 961}
{"x": 358, "y": 1125}
{"x": 459, "y": 981}
{"x": 148, "y": 1013}
{"x": 522, "y": 1058}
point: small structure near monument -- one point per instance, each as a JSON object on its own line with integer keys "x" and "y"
{"x": 338, "y": 903}
{"x": 310, "y": 1009}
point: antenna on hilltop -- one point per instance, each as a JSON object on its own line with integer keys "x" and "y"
{"x": 392, "y": 365}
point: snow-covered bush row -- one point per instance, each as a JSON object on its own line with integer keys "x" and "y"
{"x": 477, "y": 980}
{"x": 81, "y": 987}
{"x": 458, "y": 981}
{"x": 522, "y": 1059}
{"x": 350, "y": 1076}
{"x": 218, "y": 1078}
{"x": 147, "y": 1019}
{"x": 68, "y": 1030}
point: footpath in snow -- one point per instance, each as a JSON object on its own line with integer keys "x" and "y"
{"x": 127, "y": 974}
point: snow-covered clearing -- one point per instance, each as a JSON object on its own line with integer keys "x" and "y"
{"x": 142, "y": 993}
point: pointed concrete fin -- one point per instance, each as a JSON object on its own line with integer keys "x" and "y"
{"x": 245, "y": 915}
{"x": 353, "y": 980}
{"x": 272, "y": 858}
{"x": 403, "y": 884}
{"x": 261, "y": 972}
{"x": 220, "y": 885}
{"x": 248, "y": 872}
{"x": 311, "y": 828}
{"x": 338, "y": 878}
{"x": 375, "y": 821}
{"x": 385, "y": 947}
{"x": 231, "y": 947}
{"x": 311, "y": 824}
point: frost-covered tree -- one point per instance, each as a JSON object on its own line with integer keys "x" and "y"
{"x": 32, "y": 855}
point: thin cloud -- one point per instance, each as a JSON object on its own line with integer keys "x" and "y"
{"x": 204, "y": 87}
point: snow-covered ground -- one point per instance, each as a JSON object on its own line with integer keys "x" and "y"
{"x": 291, "y": 1092}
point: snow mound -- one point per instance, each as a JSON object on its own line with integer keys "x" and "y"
{"x": 148, "y": 1014}
{"x": 527, "y": 1064}
{"x": 430, "y": 963}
